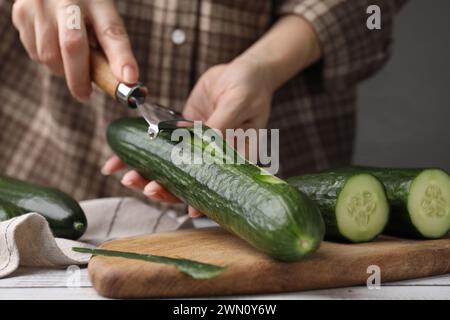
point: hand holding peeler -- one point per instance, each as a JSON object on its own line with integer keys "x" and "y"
{"x": 134, "y": 96}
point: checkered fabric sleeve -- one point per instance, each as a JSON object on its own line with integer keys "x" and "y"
{"x": 351, "y": 51}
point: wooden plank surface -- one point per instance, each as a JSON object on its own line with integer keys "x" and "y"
{"x": 250, "y": 272}
{"x": 31, "y": 284}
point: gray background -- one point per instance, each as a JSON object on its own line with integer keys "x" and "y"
{"x": 404, "y": 111}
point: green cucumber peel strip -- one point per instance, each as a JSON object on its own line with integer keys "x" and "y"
{"x": 196, "y": 270}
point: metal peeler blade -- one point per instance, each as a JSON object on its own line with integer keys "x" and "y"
{"x": 158, "y": 117}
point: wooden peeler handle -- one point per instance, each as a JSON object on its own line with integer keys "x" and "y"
{"x": 101, "y": 73}
{"x": 103, "y": 77}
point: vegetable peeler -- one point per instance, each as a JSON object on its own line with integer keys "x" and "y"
{"x": 134, "y": 96}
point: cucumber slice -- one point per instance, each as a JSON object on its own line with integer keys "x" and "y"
{"x": 354, "y": 205}
{"x": 362, "y": 210}
{"x": 429, "y": 203}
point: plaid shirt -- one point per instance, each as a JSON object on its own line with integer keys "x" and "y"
{"x": 47, "y": 137}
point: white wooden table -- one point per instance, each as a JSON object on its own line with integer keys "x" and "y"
{"x": 74, "y": 284}
{"x": 32, "y": 284}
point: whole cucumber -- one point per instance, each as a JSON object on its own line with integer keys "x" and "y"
{"x": 9, "y": 211}
{"x": 265, "y": 211}
{"x": 64, "y": 214}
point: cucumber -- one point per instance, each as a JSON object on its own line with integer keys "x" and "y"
{"x": 419, "y": 199}
{"x": 260, "y": 208}
{"x": 9, "y": 211}
{"x": 64, "y": 215}
{"x": 353, "y": 205}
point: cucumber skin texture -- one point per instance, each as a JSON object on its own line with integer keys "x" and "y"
{"x": 64, "y": 214}
{"x": 325, "y": 195}
{"x": 397, "y": 183}
{"x": 274, "y": 218}
{"x": 324, "y": 189}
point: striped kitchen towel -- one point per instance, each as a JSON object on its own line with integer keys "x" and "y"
{"x": 28, "y": 241}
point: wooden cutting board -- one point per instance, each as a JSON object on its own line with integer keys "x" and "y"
{"x": 333, "y": 265}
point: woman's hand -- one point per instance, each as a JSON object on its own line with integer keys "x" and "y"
{"x": 231, "y": 96}
{"x": 234, "y": 95}
{"x": 49, "y": 39}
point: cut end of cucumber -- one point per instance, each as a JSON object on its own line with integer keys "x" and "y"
{"x": 429, "y": 203}
{"x": 362, "y": 209}
{"x": 79, "y": 226}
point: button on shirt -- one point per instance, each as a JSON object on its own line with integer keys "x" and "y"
{"x": 178, "y": 36}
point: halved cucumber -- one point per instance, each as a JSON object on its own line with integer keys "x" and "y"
{"x": 419, "y": 200}
{"x": 429, "y": 203}
{"x": 354, "y": 205}
{"x": 362, "y": 209}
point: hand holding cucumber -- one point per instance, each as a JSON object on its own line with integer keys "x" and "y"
{"x": 151, "y": 189}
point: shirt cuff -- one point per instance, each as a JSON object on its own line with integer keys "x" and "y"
{"x": 351, "y": 51}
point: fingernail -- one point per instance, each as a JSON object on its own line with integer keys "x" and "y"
{"x": 126, "y": 181}
{"x": 129, "y": 74}
{"x": 105, "y": 170}
{"x": 194, "y": 215}
{"x": 149, "y": 192}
